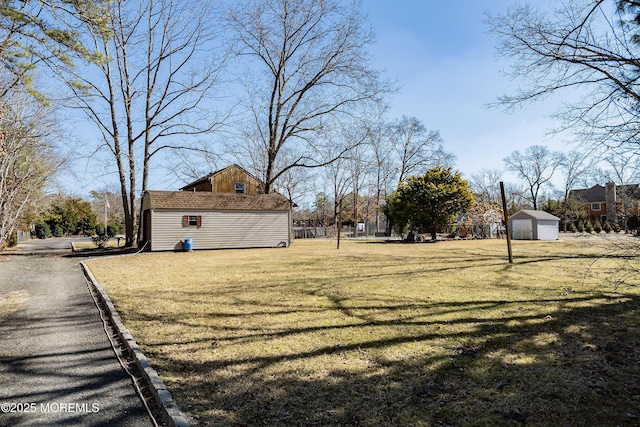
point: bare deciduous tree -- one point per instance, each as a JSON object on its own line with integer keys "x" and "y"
{"x": 621, "y": 167}
{"x": 586, "y": 50}
{"x": 187, "y": 166}
{"x": 312, "y": 71}
{"x": 416, "y": 148}
{"x": 383, "y": 168}
{"x": 157, "y": 71}
{"x": 340, "y": 178}
{"x": 295, "y": 183}
{"x": 486, "y": 185}
{"x": 536, "y": 167}
{"x": 27, "y": 159}
{"x": 359, "y": 164}
{"x": 574, "y": 167}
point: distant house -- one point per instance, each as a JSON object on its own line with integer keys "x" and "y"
{"x": 233, "y": 179}
{"x": 610, "y": 203}
{"x": 223, "y": 210}
{"x": 534, "y": 225}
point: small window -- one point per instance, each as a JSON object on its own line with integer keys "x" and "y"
{"x": 192, "y": 221}
{"x": 239, "y": 187}
{"x": 595, "y": 206}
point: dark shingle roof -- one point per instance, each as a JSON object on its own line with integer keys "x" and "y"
{"x": 201, "y": 200}
{"x": 597, "y": 193}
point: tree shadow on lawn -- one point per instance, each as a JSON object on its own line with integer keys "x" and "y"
{"x": 575, "y": 366}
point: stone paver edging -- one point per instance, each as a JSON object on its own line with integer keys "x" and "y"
{"x": 170, "y": 412}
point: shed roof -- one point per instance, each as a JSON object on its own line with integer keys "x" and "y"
{"x": 199, "y": 200}
{"x": 537, "y": 215}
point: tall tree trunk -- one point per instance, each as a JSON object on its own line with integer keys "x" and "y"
{"x": 268, "y": 179}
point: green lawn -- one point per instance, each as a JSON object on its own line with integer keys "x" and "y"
{"x": 389, "y": 334}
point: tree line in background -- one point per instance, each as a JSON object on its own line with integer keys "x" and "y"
{"x": 69, "y": 216}
{"x": 546, "y": 179}
{"x": 156, "y": 80}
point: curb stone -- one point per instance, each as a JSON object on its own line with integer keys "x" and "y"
{"x": 170, "y": 412}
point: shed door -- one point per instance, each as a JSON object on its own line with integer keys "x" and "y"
{"x": 521, "y": 229}
{"x": 547, "y": 230}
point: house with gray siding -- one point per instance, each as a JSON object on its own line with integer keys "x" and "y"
{"x": 215, "y": 220}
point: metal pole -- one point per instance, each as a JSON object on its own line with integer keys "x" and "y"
{"x": 506, "y": 221}
{"x": 339, "y": 222}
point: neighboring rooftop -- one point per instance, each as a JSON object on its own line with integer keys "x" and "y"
{"x": 598, "y": 193}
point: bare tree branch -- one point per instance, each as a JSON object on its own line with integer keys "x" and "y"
{"x": 317, "y": 74}
{"x": 586, "y": 50}
{"x": 159, "y": 69}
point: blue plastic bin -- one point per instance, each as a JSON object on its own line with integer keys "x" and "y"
{"x": 188, "y": 244}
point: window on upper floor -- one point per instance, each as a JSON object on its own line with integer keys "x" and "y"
{"x": 595, "y": 206}
{"x": 239, "y": 187}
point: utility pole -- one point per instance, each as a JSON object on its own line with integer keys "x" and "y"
{"x": 106, "y": 206}
{"x": 339, "y": 222}
{"x": 506, "y": 221}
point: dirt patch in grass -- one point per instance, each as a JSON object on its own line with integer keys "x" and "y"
{"x": 113, "y": 243}
{"x": 386, "y": 334}
{"x": 12, "y": 302}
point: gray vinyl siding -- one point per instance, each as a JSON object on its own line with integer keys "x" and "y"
{"x": 221, "y": 229}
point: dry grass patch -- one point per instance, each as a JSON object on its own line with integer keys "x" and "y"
{"x": 12, "y": 302}
{"x": 89, "y": 245}
{"x": 388, "y": 334}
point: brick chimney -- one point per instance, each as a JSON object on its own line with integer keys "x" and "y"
{"x": 610, "y": 194}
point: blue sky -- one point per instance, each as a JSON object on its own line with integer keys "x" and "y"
{"x": 444, "y": 60}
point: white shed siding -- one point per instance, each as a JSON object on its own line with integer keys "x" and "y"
{"x": 220, "y": 229}
{"x": 547, "y": 230}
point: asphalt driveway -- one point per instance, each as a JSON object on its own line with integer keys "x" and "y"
{"x": 57, "y": 366}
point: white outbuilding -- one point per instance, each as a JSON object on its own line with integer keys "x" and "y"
{"x": 534, "y": 225}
